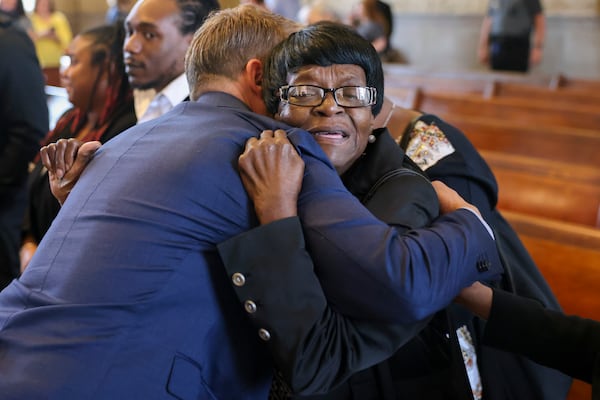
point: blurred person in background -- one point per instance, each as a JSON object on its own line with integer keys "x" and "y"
{"x": 14, "y": 9}
{"x": 371, "y": 24}
{"x": 24, "y": 117}
{"x": 118, "y": 10}
{"x": 512, "y": 35}
{"x": 318, "y": 10}
{"x": 51, "y": 33}
{"x": 102, "y": 100}
{"x": 259, "y": 3}
{"x": 287, "y": 8}
{"x": 158, "y": 33}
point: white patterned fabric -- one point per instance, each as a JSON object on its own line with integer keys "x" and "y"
{"x": 470, "y": 359}
{"x": 427, "y": 145}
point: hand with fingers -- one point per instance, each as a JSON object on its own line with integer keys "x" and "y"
{"x": 272, "y": 170}
{"x": 65, "y": 161}
{"x": 450, "y": 200}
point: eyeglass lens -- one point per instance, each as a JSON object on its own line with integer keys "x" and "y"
{"x": 312, "y": 96}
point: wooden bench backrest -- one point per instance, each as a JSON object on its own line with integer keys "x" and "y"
{"x": 538, "y": 112}
{"x": 569, "y": 145}
{"x": 569, "y": 258}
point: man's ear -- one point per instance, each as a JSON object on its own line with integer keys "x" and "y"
{"x": 254, "y": 75}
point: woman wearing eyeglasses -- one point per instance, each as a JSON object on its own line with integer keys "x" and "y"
{"x": 328, "y": 81}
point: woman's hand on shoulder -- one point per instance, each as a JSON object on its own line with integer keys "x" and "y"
{"x": 65, "y": 160}
{"x": 272, "y": 171}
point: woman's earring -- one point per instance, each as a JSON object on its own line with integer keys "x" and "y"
{"x": 372, "y": 138}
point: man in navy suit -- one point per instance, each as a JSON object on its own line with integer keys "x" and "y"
{"x": 127, "y": 297}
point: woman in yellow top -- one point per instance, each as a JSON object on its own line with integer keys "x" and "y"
{"x": 51, "y": 32}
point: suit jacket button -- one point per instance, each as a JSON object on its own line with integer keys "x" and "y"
{"x": 250, "y": 306}
{"x": 483, "y": 265}
{"x": 264, "y": 334}
{"x": 238, "y": 279}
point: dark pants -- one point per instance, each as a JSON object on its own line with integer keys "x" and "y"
{"x": 509, "y": 53}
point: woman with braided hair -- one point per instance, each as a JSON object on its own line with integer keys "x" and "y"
{"x": 102, "y": 99}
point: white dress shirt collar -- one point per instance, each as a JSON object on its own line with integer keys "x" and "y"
{"x": 176, "y": 91}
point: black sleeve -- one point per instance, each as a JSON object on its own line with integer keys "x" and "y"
{"x": 521, "y": 325}
{"x": 124, "y": 119}
{"x": 404, "y": 199}
{"x": 314, "y": 347}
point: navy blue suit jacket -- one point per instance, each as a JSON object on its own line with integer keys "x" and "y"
{"x": 126, "y": 296}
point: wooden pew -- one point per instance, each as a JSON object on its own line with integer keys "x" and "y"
{"x": 561, "y": 81}
{"x": 576, "y": 146}
{"x": 554, "y": 245}
{"x": 438, "y": 83}
{"x": 547, "y": 189}
{"x": 568, "y": 256}
{"x": 487, "y": 83}
{"x": 465, "y": 81}
{"x": 519, "y": 127}
{"x": 532, "y": 111}
{"x": 539, "y": 185}
{"x": 406, "y": 97}
{"x": 563, "y": 96}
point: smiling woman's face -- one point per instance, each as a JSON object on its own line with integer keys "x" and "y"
{"x": 342, "y": 132}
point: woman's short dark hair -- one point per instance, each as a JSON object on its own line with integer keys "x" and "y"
{"x": 324, "y": 43}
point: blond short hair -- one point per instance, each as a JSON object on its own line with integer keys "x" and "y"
{"x": 228, "y": 39}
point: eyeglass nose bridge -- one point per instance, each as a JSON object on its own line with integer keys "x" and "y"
{"x": 333, "y": 92}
